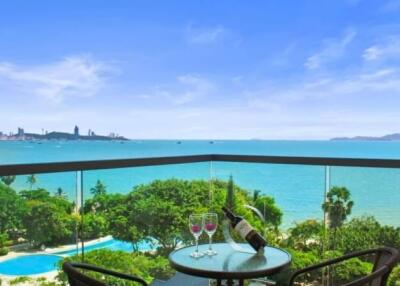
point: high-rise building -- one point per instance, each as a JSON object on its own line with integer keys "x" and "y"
{"x": 21, "y": 132}
{"x": 76, "y": 131}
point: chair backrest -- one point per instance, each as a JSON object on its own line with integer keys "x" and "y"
{"x": 77, "y": 278}
{"x": 385, "y": 257}
{"x": 385, "y": 260}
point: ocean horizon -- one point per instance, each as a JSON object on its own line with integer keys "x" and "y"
{"x": 298, "y": 190}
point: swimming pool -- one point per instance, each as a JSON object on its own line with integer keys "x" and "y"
{"x": 29, "y": 264}
{"x": 41, "y": 263}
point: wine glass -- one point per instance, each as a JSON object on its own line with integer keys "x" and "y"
{"x": 196, "y": 225}
{"x": 210, "y": 226}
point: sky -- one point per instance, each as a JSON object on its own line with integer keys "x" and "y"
{"x": 201, "y": 69}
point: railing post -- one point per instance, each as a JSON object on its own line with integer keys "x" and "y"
{"x": 210, "y": 192}
{"x": 326, "y": 277}
{"x": 79, "y": 208}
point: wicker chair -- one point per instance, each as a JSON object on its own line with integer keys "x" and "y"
{"x": 385, "y": 259}
{"x": 77, "y": 278}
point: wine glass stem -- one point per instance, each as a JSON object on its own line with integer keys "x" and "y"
{"x": 197, "y": 245}
{"x": 210, "y": 242}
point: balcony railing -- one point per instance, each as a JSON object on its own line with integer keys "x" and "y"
{"x": 102, "y": 205}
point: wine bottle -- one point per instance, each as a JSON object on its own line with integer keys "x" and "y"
{"x": 246, "y": 231}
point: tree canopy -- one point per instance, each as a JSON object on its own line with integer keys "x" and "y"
{"x": 338, "y": 206}
{"x": 8, "y": 180}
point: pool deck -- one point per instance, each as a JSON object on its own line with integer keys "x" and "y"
{"x": 53, "y": 250}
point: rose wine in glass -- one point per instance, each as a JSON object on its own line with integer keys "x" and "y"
{"x": 196, "y": 226}
{"x": 210, "y": 226}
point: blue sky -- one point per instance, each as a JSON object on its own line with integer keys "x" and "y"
{"x": 201, "y": 69}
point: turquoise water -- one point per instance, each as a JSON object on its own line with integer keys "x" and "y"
{"x": 29, "y": 264}
{"x": 41, "y": 263}
{"x": 298, "y": 190}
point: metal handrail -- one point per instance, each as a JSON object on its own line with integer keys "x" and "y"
{"x": 54, "y": 167}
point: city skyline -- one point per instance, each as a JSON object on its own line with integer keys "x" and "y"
{"x": 45, "y": 134}
{"x": 225, "y": 70}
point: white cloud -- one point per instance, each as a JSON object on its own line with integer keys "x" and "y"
{"x": 72, "y": 76}
{"x": 389, "y": 49}
{"x": 205, "y": 35}
{"x": 332, "y": 50}
{"x": 187, "y": 89}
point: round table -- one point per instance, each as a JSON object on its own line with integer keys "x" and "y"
{"x": 230, "y": 264}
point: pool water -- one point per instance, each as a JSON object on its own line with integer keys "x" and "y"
{"x": 29, "y": 264}
{"x": 41, "y": 263}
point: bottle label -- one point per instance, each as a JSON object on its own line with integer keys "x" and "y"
{"x": 243, "y": 228}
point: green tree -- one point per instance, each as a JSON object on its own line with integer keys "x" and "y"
{"x": 230, "y": 194}
{"x": 120, "y": 227}
{"x": 103, "y": 203}
{"x": 94, "y": 226}
{"x": 98, "y": 189}
{"x": 338, "y": 206}
{"x": 306, "y": 236}
{"x": 49, "y": 221}
{"x": 43, "y": 195}
{"x": 12, "y": 210}
{"x": 31, "y": 180}
{"x": 160, "y": 210}
{"x": 8, "y": 180}
{"x": 365, "y": 233}
{"x": 267, "y": 206}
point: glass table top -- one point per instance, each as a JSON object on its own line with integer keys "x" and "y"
{"x": 229, "y": 263}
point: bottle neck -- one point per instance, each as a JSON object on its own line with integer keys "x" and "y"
{"x": 229, "y": 214}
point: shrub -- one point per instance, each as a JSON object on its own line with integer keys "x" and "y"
{"x": 4, "y": 251}
{"x": 394, "y": 278}
{"x": 146, "y": 266}
{"x": 20, "y": 280}
{"x": 299, "y": 260}
{"x": 350, "y": 270}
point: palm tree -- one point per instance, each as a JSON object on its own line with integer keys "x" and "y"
{"x": 60, "y": 193}
{"x": 98, "y": 189}
{"x": 31, "y": 180}
{"x": 337, "y": 206}
{"x": 8, "y": 180}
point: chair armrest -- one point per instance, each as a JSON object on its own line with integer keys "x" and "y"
{"x": 330, "y": 262}
{"x": 109, "y": 272}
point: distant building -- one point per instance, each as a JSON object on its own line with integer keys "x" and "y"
{"x": 76, "y": 131}
{"x": 21, "y": 132}
{"x": 89, "y": 132}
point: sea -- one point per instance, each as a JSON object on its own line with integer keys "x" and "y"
{"x": 297, "y": 189}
